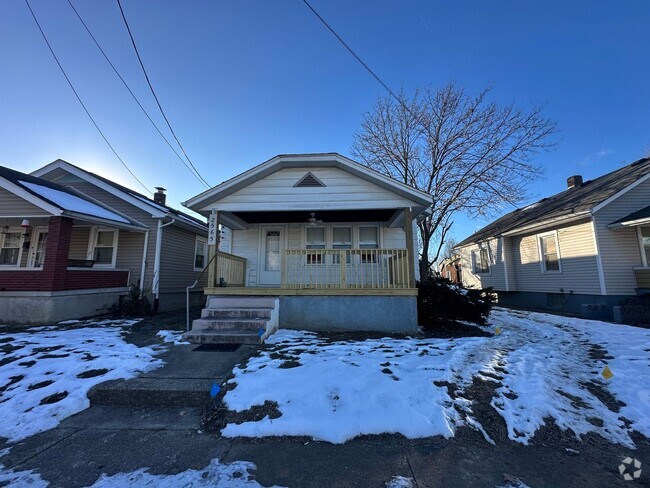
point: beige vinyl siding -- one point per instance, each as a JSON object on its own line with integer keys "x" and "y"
{"x": 579, "y": 270}
{"x": 79, "y": 242}
{"x": 177, "y": 267}
{"x": 177, "y": 260}
{"x": 341, "y": 188}
{"x": 129, "y": 254}
{"x": 495, "y": 278}
{"x": 14, "y": 206}
{"x": 132, "y": 253}
{"x": 619, "y": 248}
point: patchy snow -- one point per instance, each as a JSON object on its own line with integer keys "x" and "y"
{"x": 19, "y": 479}
{"x": 73, "y": 203}
{"x": 172, "y": 336}
{"x": 45, "y": 374}
{"x": 233, "y": 475}
{"x": 541, "y": 366}
{"x": 345, "y": 389}
{"x": 400, "y": 482}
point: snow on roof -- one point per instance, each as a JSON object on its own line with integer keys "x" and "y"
{"x": 73, "y": 203}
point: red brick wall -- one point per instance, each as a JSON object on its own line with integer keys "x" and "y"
{"x": 55, "y": 276}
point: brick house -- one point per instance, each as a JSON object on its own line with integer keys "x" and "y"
{"x": 65, "y": 254}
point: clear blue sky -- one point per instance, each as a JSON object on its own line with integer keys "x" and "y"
{"x": 244, "y": 80}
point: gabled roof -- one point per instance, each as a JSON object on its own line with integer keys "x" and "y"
{"x": 572, "y": 202}
{"x": 307, "y": 161}
{"x": 60, "y": 200}
{"x": 126, "y": 193}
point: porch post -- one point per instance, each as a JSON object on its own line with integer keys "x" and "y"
{"x": 213, "y": 247}
{"x": 408, "y": 229}
{"x": 56, "y": 252}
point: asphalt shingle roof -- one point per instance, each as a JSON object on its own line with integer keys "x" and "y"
{"x": 570, "y": 201}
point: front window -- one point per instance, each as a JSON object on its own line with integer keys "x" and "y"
{"x": 342, "y": 239}
{"x": 104, "y": 250}
{"x": 200, "y": 252}
{"x": 368, "y": 239}
{"x": 549, "y": 251}
{"x": 481, "y": 261}
{"x": 315, "y": 239}
{"x": 10, "y": 248}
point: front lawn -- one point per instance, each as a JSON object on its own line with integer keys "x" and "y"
{"x": 540, "y": 368}
{"x": 46, "y": 372}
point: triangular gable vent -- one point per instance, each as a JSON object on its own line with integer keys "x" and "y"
{"x": 309, "y": 181}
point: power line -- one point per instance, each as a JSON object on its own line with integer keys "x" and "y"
{"x": 79, "y": 98}
{"x": 153, "y": 92}
{"x": 131, "y": 92}
{"x": 346, "y": 46}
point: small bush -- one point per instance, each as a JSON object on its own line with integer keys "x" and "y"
{"x": 133, "y": 304}
{"x": 440, "y": 300}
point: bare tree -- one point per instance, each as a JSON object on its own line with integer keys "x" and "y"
{"x": 448, "y": 248}
{"x": 471, "y": 154}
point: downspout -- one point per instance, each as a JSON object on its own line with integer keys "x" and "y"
{"x": 144, "y": 261}
{"x": 156, "y": 263}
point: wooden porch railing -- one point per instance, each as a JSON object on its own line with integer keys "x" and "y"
{"x": 346, "y": 268}
{"x": 230, "y": 269}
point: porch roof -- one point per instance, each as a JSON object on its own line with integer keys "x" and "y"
{"x": 56, "y": 199}
{"x": 640, "y": 217}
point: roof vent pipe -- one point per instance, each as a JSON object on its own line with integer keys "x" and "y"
{"x": 159, "y": 197}
{"x": 573, "y": 181}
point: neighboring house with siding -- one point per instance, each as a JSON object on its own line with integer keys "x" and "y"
{"x": 583, "y": 250}
{"x": 332, "y": 243}
{"x": 145, "y": 243}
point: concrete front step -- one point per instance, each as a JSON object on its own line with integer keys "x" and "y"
{"x": 229, "y": 336}
{"x": 201, "y": 325}
{"x": 216, "y": 302}
{"x": 152, "y": 392}
{"x": 236, "y": 313}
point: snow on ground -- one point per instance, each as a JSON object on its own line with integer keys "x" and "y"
{"x": 172, "y": 336}
{"x": 400, "y": 482}
{"x": 541, "y": 366}
{"x": 233, "y": 475}
{"x": 46, "y": 372}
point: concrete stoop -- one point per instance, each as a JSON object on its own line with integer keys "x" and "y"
{"x": 152, "y": 392}
{"x": 235, "y": 320}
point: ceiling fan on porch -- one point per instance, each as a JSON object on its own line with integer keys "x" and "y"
{"x": 313, "y": 221}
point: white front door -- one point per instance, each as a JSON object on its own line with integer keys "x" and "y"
{"x": 37, "y": 250}
{"x": 271, "y": 255}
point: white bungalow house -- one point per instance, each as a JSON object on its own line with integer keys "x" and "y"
{"x": 315, "y": 241}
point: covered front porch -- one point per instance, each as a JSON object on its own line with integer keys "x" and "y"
{"x": 302, "y": 253}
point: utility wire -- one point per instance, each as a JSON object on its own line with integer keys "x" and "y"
{"x": 153, "y": 92}
{"x": 356, "y": 56}
{"x": 131, "y": 92}
{"x": 79, "y": 98}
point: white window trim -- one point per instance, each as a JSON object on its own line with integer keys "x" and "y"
{"x": 477, "y": 251}
{"x": 32, "y": 246}
{"x": 542, "y": 263}
{"x": 14, "y": 230}
{"x": 93, "y": 239}
{"x": 203, "y": 241}
{"x": 329, "y": 234}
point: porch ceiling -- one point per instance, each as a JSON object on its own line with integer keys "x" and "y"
{"x": 327, "y": 216}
